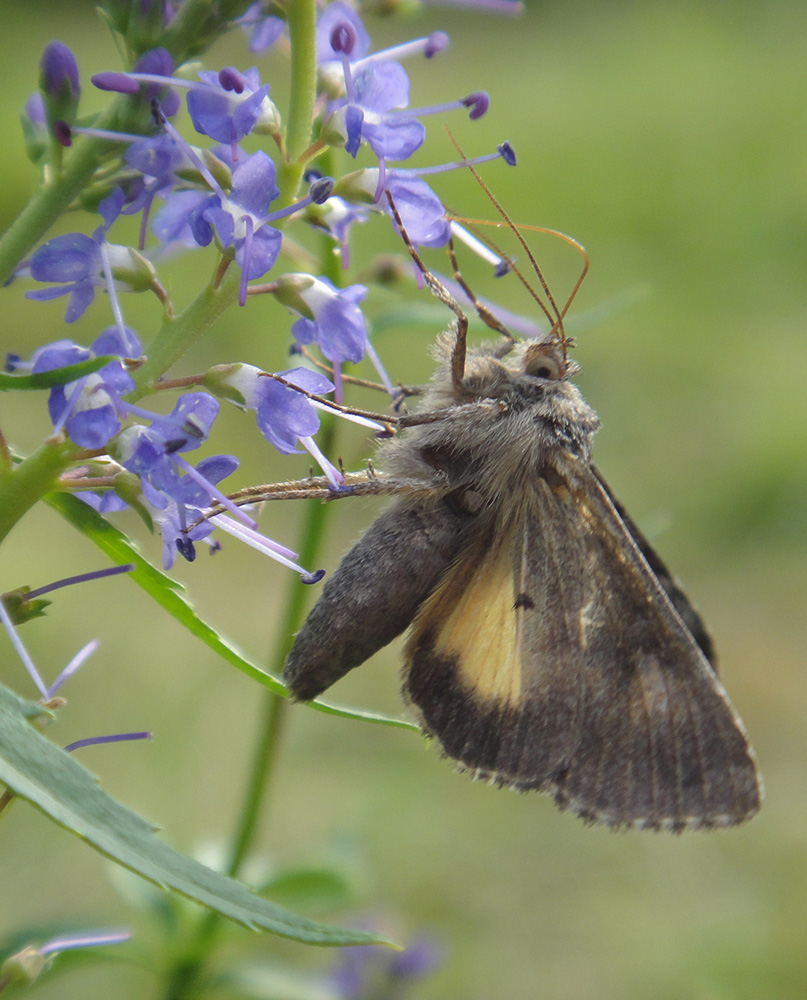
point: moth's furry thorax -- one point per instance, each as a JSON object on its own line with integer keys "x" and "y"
{"x": 529, "y": 418}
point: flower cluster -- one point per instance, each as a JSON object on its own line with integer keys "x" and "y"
{"x": 193, "y": 196}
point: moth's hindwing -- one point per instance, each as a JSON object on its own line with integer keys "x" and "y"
{"x": 375, "y": 592}
{"x": 550, "y": 657}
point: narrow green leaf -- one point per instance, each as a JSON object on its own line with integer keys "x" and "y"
{"x": 37, "y": 770}
{"x": 57, "y": 376}
{"x": 170, "y": 595}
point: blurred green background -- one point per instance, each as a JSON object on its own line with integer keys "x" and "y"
{"x": 671, "y": 140}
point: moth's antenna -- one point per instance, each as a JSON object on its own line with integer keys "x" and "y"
{"x": 556, "y": 315}
{"x": 519, "y": 227}
{"x": 442, "y": 293}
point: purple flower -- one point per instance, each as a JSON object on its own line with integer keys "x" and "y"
{"x": 337, "y": 216}
{"x": 372, "y": 89}
{"x": 172, "y": 521}
{"x": 149, "y": 451}
{"x": 239, "y": 219}
{"x": 231, "y": 105}
{"x": 421, "y": 211}
{"x": 375, "y": 87}
{"x": 88, "y": 408}
{"x": 158, "y": 159}
{"x": 331, "y": 317}
{"x": 175, "y": 491}
{"x": 264, "y": 30}
{"x": 35, "y": 110}
{"x": 191, "y": 494}
{"x": 59, "y": 72}
{"x": 227, "y": 105}
{"x": 378, "y": 89}
{"x": 284, "y": 415}
{"x": 174, "y": 221}
{"x": 75, "y": 261}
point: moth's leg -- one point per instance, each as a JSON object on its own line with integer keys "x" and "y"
{"x": 482, "y": 311}
{"x": 402, "y": 392}
{"x": 440, "y": 292}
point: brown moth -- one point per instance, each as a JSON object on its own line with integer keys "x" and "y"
{"x": 549, "y": 647}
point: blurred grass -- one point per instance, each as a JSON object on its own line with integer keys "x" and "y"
{"x": 670, "y": 140}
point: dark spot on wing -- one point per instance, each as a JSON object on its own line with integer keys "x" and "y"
{"x": 524, "y": 601}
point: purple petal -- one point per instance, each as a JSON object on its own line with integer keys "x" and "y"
{"x": 421, "y": 211}
{"x": 304, "y": 330}
{"x": 64, "y": 258}
{"x": 309, "y": 380}
{"x": 173, "y": 220}
{"x": 81, "y": 296}
{"x": 343, "y": 333}
{"x": 217, "y": 467}
{"x": 254, "y": 184}
{"x": 394, "y": 138}
{"x": 263, "y": 252}
{"x": 105, "y": 502}
{"x": 222, "y": 221}
{"x": 57, "y": 355}
{"x": 154, "y": 157}
{"x": 247, "y": 113}
{"x": 158, "y": 61}
{"x": 46, "y": 294}
{"x": 284, "y": 415}
{"x": 124, "y": 343}
{"x": 93, "y": 428}
{"x": 383, "y": 86}
{"x": 111, "y": 205}
{"x": 265, "y": 33}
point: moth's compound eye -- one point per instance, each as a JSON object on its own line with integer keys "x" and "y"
{"x": 544, "y": 362}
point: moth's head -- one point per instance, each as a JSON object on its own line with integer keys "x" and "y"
{"x": 528, "y": 370}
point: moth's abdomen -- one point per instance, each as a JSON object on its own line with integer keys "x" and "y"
{"x": 375, "y": 593}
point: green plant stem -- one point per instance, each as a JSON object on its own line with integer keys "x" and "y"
{"x": 179, "y": 333}
{"x": 302, "y": 18}
{"x": 186, "y": 973}
{"x": 29, "y": 481}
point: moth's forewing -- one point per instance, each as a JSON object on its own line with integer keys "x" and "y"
{"x": 465, "y": 667}
{"x": 551, "y": 658}
{"x": 672, "y": 588}
{"x": 375, "y": 592}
